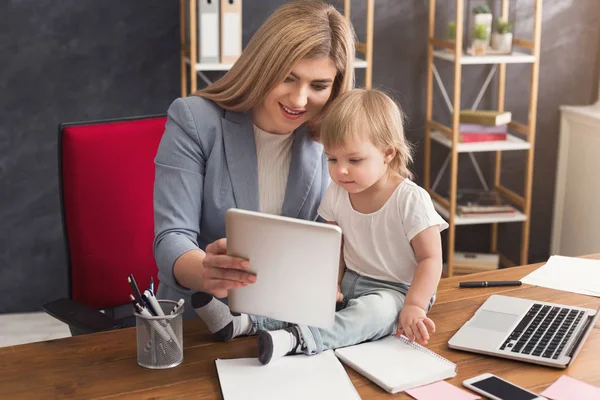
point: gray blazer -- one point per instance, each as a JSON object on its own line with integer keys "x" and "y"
{"x": 206, "y": 163}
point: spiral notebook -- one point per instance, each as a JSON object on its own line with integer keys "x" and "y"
{"x": 396, "y": 364}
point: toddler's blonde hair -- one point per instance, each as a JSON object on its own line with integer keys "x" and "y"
{"x": 370, "y": 114}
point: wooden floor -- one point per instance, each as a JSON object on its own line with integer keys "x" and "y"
{"x": 30, "y": 327}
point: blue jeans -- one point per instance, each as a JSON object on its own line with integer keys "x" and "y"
{"x": 369, "y": 311}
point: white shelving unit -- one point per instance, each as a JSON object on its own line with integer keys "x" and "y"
{"x": 195, "y": 69}
{"x": 512, "y": 143}
{"x": 521, "y": 137}
{"x": 517, "y": 216}
{"x": 208, "y": 67}
{"x": 359, "y": 63}
{"x": 513, "y": 58}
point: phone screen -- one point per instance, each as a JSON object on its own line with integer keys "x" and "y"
{"x": 503, "y": 390}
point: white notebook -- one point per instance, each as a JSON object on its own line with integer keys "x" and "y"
{"x": 396, "y": 364}
{"x": 300, "y": 377}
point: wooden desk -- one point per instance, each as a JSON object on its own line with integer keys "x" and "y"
{"x": 104, "y": 365}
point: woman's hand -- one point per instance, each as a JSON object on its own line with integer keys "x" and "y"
{"x": 221, "y": 272}
{"x": 413, "y": 322}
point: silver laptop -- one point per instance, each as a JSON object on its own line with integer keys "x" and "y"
{"x": 296, "y": 263}
{"x": 526, "y": 330}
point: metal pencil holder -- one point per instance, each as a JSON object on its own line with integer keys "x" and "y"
{"x": 160, "y": 338}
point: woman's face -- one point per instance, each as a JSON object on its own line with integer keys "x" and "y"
{"x": 299, "y": 98}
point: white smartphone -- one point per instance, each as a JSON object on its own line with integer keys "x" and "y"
{"x": 497, "y": 388}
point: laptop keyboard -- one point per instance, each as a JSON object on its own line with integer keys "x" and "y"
{"x": 543, "y": 331}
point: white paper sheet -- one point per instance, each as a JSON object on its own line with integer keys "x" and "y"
{"x": 300, "y": 377}
{"x": 577, "y": 275}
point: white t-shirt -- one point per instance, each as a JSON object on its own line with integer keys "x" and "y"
{"x": 273, "y": 154}
{"x": 377, "y": 245}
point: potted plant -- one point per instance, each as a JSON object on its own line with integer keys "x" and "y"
{"x": 482, "y": 15}
{"x": 479, "y": 45}
{"x": 502, "y": 37}
{"x": 451, "y": 30}
{"x": 451, "y": 33}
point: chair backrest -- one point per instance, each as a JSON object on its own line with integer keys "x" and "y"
{"x": 107, "y": 179}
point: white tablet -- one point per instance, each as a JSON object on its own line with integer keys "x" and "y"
{"x": 296, "y": 263}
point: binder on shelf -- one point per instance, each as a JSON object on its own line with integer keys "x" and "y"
{"x": 208, "y": 31}
{"x": 231, "y": 30}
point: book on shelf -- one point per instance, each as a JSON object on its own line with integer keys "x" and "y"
{"x": 481, "y": 137}
{"x": 485, "y": 117}
{"x": 471, "y": 263}
{"x": 470, "y": 202}
{"x": 476, "y": 261}
{"x": 473, "y": 133}
{"x": 465, "y": 127}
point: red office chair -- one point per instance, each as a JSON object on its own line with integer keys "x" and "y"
{"x": 106, "y": 171}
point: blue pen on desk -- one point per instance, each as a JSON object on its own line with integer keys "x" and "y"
{"x": 152, "y": 285}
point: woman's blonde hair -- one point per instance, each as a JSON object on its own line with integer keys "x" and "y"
{"x": 370, "y": 114}
{"x": 296, "y": 30}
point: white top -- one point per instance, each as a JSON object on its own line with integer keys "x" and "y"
{"x": 273, "y": 154}
{"x": 377, "y": 245}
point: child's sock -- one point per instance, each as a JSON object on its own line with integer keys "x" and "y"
{"x": 217, "y": 317}
{"x": 273, "y": 345}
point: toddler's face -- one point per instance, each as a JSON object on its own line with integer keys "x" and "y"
{"x": 357, "y": 165}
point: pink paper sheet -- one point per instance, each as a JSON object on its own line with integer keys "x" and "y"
{"x": 567, "y": 388}
{"x": 441, "y": 390}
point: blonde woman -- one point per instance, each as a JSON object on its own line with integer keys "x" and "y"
{"x": 392, "y": 247}
{"x": 247, "y": 141}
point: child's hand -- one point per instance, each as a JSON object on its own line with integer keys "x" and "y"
{"x": 413, "y": 322}
{"x": 339, "y": 296}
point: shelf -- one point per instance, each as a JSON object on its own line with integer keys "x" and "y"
{"x": 358, "y": 63}
{"x": 517, "y": 216}
{"x": 512, "y": 143}
{"x": 513, "y": 58}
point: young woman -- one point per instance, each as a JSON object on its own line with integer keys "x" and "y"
{"x": 248, "y": 141}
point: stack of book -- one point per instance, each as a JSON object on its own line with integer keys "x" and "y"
{"x": 483, "y": 125}
{"x": 471, "y": 263}
{"x": 473, "y": 203}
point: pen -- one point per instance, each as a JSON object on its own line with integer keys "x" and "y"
{"x": 152, "y": 285}
{"x": 155, "y": 325}
{"x": 149, "y": 304}
{"x": 178, "y": 306}
{"x": 136, "y": 290}
{"x": 480, "y": 284}
{"x": 155, "y": 304}
{"x": 134, "y": 302}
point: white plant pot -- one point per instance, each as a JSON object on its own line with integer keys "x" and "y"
{"x": 502, "y": 42}
{"x": 479, "y": 47}
{"x": 482, "y": 19}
